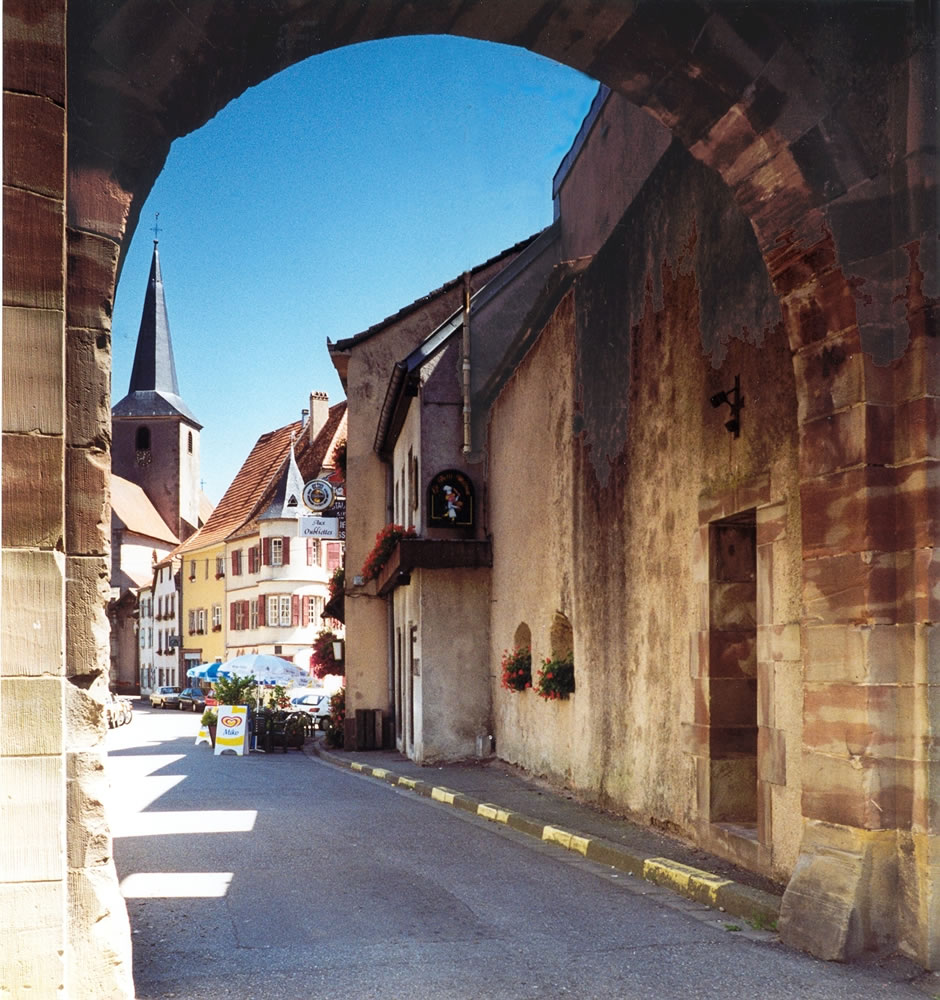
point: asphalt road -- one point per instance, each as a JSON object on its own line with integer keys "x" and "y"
{"x": 281, "y": 877}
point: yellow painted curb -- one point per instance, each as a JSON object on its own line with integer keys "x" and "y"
{"x": 493, "y": 813}
{"x": 443, "y": 795}
{"x": 570, "y": 841}
{"x": 411, "y": 783}
{"x": 701, "y": 885}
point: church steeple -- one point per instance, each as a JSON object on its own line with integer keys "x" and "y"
{"x": 154, "y": 435}
{"x": 154, "y": 389}
{"x": 154, "y": 367}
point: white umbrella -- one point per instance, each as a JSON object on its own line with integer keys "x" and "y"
{"x": 265, "y": 668}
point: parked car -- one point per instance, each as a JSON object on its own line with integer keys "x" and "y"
{"x": 193, "y": 698}
{"x": 315, "y": 704}
{"x": 164, "y": 697}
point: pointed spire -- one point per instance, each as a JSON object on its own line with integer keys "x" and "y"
{"x": 288, "y": 494}
{"x": 154, "y": 388}
{"x": 154, "y": 367}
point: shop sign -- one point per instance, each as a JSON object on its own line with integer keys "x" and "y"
{"x": 232, "y": 729}
{"x": 319, "y": 495}
{"x": 331, "y": 524}
{"x": 450, "y": 500}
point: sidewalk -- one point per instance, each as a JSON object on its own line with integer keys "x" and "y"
{"x": 501, "y": 793}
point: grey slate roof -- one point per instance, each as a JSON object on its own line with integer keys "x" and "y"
{"x": 154, "y": 390}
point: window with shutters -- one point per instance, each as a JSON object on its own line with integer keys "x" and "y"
{"x": 192, "y": 569}
{"x": 238, "y": 615}
{"x": 279, "y": 610}
{"x": 252, "y": 614}
{"x": 219, "y": 567}
{"x": 313, "y": 608}
{"x": 216, "y": 617}
{"x": 237, "y": 562}
{"x": 201, "y": 621}
{"x": 334, "y": 555}
{"x": 191, "y": 623}
{"x": 277, "y": 552}
{"x": 313, "y": 551}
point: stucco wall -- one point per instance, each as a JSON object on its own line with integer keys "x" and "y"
{"x": 605, "y": 444}
{"x": 452, "y": 688}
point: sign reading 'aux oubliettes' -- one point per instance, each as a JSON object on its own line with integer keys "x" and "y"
{"x": 331, "y": 524}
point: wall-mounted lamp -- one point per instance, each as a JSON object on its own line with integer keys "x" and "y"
{"x": 733, "y": 398}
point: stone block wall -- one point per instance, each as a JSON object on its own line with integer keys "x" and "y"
{"x": 63, "y": 924}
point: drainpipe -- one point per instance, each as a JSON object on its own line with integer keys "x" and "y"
{"x": 465, "y": 364}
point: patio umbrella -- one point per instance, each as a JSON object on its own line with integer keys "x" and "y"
{"x": 206, "y": 671}
{"x": 265, "y": 668}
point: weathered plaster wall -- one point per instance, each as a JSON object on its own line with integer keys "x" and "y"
{"x": 599, "y": 179}
{"x": 452, "y": 691}
{"x": 610, "y": 461}
{"x": 530, "y": 490}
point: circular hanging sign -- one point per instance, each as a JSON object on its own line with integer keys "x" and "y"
{"x": 318, "y": 494}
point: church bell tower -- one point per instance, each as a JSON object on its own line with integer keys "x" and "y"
{"x": 155, "y": 437}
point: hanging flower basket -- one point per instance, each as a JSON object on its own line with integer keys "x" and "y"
{"x": 556, "y": 678}
{"x": 517, "y": 669}
{"x": 385, "y": 542}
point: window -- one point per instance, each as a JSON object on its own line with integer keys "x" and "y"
{"x": 254, "y": 559}
{"x": 238, "y": 615}
{"x": 219, "y": 567}
{"x": 192, "y": 569}
{"x": 216, "y": 617}
{"x": 142, "y": 445}
{"x": 237, "y": 562}
{"x": 277, "y": 552}
{"x": 191, "y": 622}
{"x": 201, "y": 621}
{"x": 313, "y": 551}
{"x": 278, "y": 610}
{"x": 313, "y": 608}
{"x": 253, "y": 613}
{"x": 334, "y": 555}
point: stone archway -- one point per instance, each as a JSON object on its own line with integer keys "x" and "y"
{"x": 822, "y": 125}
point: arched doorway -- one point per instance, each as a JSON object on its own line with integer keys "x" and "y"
{"x": 820, "y": 123}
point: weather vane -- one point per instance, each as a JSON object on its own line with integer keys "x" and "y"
{"x": 156, "y": 227}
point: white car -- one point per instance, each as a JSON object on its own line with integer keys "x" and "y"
{"x": 316, "y": 704}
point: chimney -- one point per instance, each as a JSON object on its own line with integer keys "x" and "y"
{"x": 319, "y": 413}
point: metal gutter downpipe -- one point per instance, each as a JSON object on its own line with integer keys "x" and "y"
{"x": 465, "y": 364}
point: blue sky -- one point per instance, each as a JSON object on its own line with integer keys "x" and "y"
{"x": 326, "y": 199}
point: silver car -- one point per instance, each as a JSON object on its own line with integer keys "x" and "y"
{"x": 165, "y": 697}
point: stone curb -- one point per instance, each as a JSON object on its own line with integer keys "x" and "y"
{"x": 761, "y": 909}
